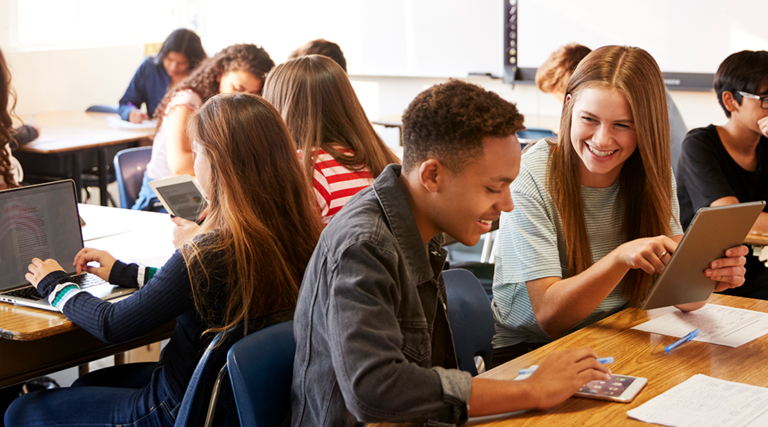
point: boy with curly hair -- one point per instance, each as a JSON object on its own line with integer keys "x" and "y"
{"x": 372, "y": 335}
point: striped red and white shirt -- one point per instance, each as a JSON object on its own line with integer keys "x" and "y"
{"x": 335, "y": 184}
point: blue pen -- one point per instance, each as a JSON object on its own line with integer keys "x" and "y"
{"x": 601, "y": 360}
{"x": 682, "y": 340}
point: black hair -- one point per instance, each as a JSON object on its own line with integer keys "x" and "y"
{"x": 186, "y": 42}
{"x": 741, "y": 71}
{"x": 449, "y": 121}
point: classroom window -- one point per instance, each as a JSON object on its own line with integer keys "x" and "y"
{"x": 60, "y": 23}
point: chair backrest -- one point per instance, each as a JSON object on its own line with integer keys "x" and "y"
{"x": 129, "y": 172}
{"x": 261, "y": 369}
{"x": 471, "y": 318}
{"x": 197, "y": 397}
{"x": 101, "y": 109}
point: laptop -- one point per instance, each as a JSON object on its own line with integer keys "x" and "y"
{"x": 711, "y": 232}
{"x": 42, "y": 221}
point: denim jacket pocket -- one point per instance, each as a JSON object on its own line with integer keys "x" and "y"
{"x": 416, "y": 343}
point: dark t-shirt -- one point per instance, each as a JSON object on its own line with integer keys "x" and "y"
{"x": 706, "y": 172}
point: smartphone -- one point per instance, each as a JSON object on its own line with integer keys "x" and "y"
{"x": 180, "y": 195}
{"x": 619, "y": 388}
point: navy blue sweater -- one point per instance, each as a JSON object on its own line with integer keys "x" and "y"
{"x": 148, "y": 85}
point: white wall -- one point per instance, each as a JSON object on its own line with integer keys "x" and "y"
{"x": 72, "y": 80}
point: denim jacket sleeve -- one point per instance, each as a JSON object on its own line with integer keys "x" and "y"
{"x": 368, "y": 339}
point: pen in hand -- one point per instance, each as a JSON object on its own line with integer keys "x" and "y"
{"x": 693, "y": 334}
{"x": 601, "y": 360}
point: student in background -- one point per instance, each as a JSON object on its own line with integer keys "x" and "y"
{"x": 11, "y": 173}
{"x": 180, "y": 54}
{"x": 596, "y": 213}
{"x": 341, "y": 152}
{"x": 552, "y": 77}
{"x": 321, "y": 47}
{"x": 245, "y": 265}
{"x": 237, "y": 68}
{"x": 373, "y": 342}
{"x": 723, "y": 165}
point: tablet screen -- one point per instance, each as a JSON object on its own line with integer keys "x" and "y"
{"x": 183, "y": 199}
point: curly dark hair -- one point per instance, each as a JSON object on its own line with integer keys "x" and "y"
{"x": 449, "y": 121}
{"x": 204, "y": 80}
{"x": 7, "y": 99}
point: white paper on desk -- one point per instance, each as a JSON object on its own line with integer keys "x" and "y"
{"x": 718, "y": 324}
{"x": 118, "y": 123}
{"x": 703, "y": 401}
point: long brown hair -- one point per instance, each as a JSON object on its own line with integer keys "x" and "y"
{"x": 645, "y": 181}
{"x": 320, "y": 107}
{"x": 7, "y": 99}
{"x": 204, "y": 80}
{"x": 261, "y": 211}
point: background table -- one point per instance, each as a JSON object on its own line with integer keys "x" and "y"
{"x": 70, "y": 135}
{"x": 37, "y": 342}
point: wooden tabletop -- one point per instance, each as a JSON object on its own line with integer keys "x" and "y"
{"x": 640, "y": 354}
{"x": 69, "y": 130}
{"x": 756, "y": 239}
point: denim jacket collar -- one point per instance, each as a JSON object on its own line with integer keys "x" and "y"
{"x": 397, "y": 209}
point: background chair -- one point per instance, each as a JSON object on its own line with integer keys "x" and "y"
{"x": 101, "y": 109}
{"x": 471, "y": 318}
{"x": 130, "y": 165}
{"x": 261, "y": 369}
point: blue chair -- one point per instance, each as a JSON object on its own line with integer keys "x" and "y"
{"x": 261, "y": 370}
{"x": 203, "y": 400}
{"x": 129, "y": 166}
{"x": 471, "y": 318}
{"x": 101, "y": 109}
{"x": 531, "y": 135}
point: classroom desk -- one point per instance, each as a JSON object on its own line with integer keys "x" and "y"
{"x": 756, "y": 239}
{"x": 639, "y": 354}
{"x": 71, "y": 134}
{"x": 37, "y": 342}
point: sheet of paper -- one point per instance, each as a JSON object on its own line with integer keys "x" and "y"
{"x": 718, "y": 324}
{"x": 703, "y": 401}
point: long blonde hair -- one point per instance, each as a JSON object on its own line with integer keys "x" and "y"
{"x": 645, "y": 182}
{"x": 262, "y": 213}
{"x": 319, "y": 105}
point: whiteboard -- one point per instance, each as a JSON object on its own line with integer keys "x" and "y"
{"x": 415, "y": 38}
{"x": 684, "y": 36}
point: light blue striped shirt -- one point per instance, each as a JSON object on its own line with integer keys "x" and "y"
{"x": 532, "y": 246}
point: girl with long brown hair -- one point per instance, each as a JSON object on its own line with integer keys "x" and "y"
{"x": 596, "y": 213}
{"x": 244, "y": 265}
{"x": 237, "y": 68}
{"x": 341, "y": 152}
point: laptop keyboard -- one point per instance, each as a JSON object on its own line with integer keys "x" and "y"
{"x": 84, "y": 280}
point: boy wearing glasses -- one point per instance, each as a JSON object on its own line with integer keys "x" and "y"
{"x": 723, "y": 165}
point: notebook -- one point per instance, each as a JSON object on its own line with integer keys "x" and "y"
{"x": 42, "y": 221}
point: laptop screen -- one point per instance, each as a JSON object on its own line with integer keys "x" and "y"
{"x": 39, "y": 221}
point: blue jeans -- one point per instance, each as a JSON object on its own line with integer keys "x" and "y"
{"x": 147, "y": 199}
{"x": 153, "y": 405}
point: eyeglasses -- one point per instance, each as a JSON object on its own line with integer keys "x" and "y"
{"x": 763, "y": 99}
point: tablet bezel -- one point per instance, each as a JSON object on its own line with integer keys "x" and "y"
{"x": 174, "y": 180}
{"x": 711, "y": 232}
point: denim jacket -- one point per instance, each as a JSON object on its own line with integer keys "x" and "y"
{"x": 373, "y": 343}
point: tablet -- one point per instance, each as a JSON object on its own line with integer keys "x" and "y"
{"x": 180, "y": 195}
{"x": 712, "y": 231}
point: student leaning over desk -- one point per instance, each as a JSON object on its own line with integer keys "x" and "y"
{"x": 237, "y": 68}
{"x": 723, "y": 165}
{"x": 596, "y": 214}
{"x": 180, "y": 54}
{"x": 244, "y": 265}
